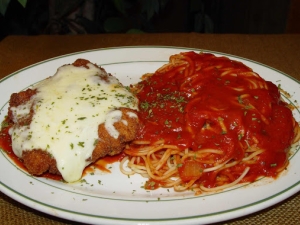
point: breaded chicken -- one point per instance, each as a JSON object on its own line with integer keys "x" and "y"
{"x": 112, "y": 136}
{"x": 39, "y": 161}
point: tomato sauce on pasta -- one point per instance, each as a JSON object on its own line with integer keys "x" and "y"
{"x": 209, "y": 123}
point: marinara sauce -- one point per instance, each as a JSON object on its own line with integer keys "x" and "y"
{"x": 206, "y": 102}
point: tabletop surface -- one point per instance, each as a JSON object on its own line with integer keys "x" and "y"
{"x": 281, "y": 52}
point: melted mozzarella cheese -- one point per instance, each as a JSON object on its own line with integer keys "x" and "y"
{"x": 68, "y": 108}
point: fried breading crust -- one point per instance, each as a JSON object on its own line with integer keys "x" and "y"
{"x": 38, "y": 162}
{"x": 111, "y": 146}
{"x": 17, "y": 99}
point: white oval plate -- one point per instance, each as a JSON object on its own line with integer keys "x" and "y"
{"x": 113, "y": 198}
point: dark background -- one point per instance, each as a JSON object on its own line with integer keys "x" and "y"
{"x": 150, "y": 16}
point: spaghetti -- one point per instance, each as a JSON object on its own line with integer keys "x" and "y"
{"x": 208, "y": 123}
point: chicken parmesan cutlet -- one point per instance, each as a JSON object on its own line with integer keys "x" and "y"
{"x": 71, "y": 119}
